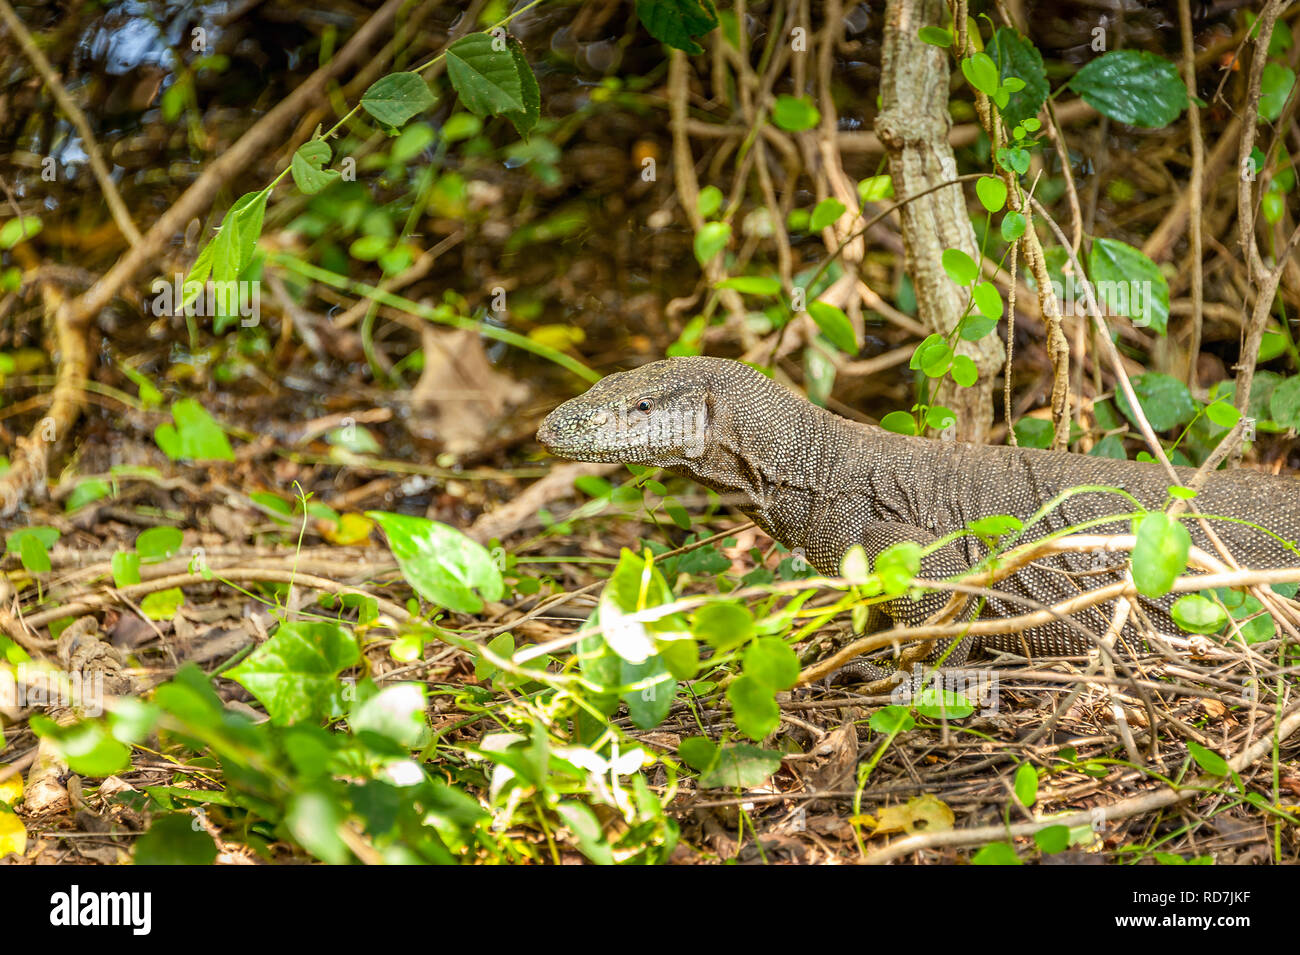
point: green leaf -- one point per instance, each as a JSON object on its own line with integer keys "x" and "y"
{"x": 892, "y": 719}
{"x": 307, "y": 167}
{"x": 835, "y": 325}
{"x": 1013, "y": 226}
{"x": 988, "y": 300}
{"x": 1133, "y": 87}
{"x": 486, "y": 78}
{"x": 315, "y": 818}
{"x": 1224, "y": 414}
{"x": 584, "y": 825}
{"x": 395, "y": 98}
{"x": 195, "y": 436}
{"x": 1208, "y": 759}
{"x": 741, "y": 767}
{"x": 752, "y": 284}
{"x": 15, "y": 231}
{"x": 996, "y": 525}
{"x": 710, "y": 240}
{"x": 158, "y": 543}
{"x": 1034, "y": 432}
{"x": 961, "y": 268}
{"x": 678, "y": 22}
{"x": 875, "y": 189}
{"x": 34, "y": 555}
{"x": 1014, "y": 158}
{"x": 524, "y": 120}
{"x": 175, "y": 839}
{"x": 1197, "y": 614}
{"x": 1053, "y": 839}
{"x": 897, "y": 565}
{"x": 935, "y": 36}
{"x": 1160, "y": 553}
{"x": 295, "y": 673}
{"x": 722, "y": 625}
{"x": 825, "y": 214}
{"x": 770, "y": 661}
{"x": 1130, "y": 284}
{"x": 87, "y": 747}
{"x": 236, "y": 241}
{"x": 964, "y": 371}
{"x": 649, "y": 706}
{"x": 795, "y": 114}
{"x": 996, "y": 853}
{"x": 440, "y": 563}
{"x": 709, "y": 202}
{"x": 992, "y": 192}
{"x": 981, "y": 72}
{"x": 899, "y": 422}
{"x": 1274, "y": 90}
{"x": 976, "y": 326}
{"x": 753, "y": 706}
{"x": 1165, "y": 400}
{"x": 942, "y": 704}
{"x": 1026, "y": 785}
{"x": 87, "y": 492}
{"x": 934, "y": 356}
{"x": 697, "y": 752}
{"x": 1018, "y": 58}
{"x": 418, "y": 137}
{"x": 1284, "y": 402}
{"x": 394, "y": 714}
{"x": 125, "y": 565}
{"x": 162, "y": 604}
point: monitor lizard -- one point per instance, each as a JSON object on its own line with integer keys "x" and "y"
{"x": 820, "y": 483}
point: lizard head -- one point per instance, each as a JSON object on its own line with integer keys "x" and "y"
{"x": 657, "y": 414}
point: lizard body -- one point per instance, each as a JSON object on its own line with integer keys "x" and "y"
{"x": 820, "y": 484}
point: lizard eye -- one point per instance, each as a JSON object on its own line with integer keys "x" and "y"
{"x": 645, "y": 405}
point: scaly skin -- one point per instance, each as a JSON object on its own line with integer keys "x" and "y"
{"x": 820, "y": 484}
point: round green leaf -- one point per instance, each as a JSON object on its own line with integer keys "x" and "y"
{"x": 988, "y": 300}
{"x": 992, "y": 192}
{"x": 1013, "y": 226}
{"x": 964, "y": 371}
{"x": 1160, "y": 553}
{"x": 795, "y": 114}
{"x": 1197, "y": 614}
{"x": 710, "y": 240}
{"x": 753, "y": 706}
{"x": 158, "y": 543}
{"x": 899, "y": 422}
{"x": 771, "y": 661}
{"x": 959, "y": 266}
{"x": 827, "y": 211}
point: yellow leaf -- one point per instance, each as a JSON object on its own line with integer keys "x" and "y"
{"x": 13, "y": 834}
{"x": 351, "y": 530}
{"x": 11, "y": 789}
{"x": 924, "y": 813}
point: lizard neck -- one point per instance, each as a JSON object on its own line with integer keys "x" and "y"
{"x": 774, "y": 456}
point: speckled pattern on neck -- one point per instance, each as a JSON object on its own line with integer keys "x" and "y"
{"x": 820, "y": 483}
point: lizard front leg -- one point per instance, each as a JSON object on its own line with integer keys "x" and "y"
{"x": 945, "y": 561}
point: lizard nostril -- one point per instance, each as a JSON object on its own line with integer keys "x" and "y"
{"x": 600, "y": 419}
